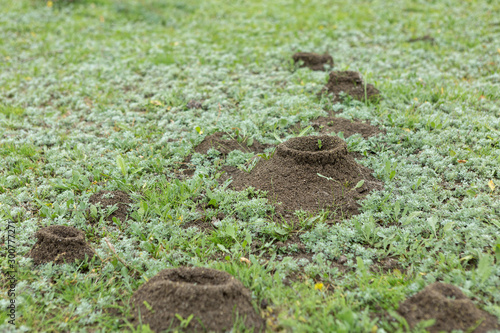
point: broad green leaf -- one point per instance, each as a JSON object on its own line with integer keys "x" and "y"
{"x": 304, "y": 131}
{"x": 222, "y": 248}
{"x": 93, "y": 211}
{"x": 432, "y": 221}
{"x": 231, "y": 231}
{"x": 248, "y": 237}
{"x": 121, "y": 164}
{"x": 360, "y": 183}
{"x": 484, "y": 267}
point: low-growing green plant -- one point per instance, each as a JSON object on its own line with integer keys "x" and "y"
{"x": 390, "y": 169}
{"x": 184, "y": 323}
{"x": 308, "y": 221}
{"x": 267, "y": 156}
{"x": 367, "y": 230}
{"x": 9, "y": 110}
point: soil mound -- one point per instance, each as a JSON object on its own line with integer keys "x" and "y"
{"x": 291, "y": 176}
{"x": 451, "y": 309}
{"x": 225, "y": 146}
{"x": 213, "y": 298}
{"x": 352, "y": 84}
{"x": 59, "y": 244}
{"x": 111, "y": 198}
{"x": 314, "y": 61}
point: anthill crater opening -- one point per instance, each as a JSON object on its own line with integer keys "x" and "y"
{"x": 449, "y": 307}
{"x": 59, "y": 244}
{"x": 211, "y": 296}
{"x": 60, "y": 234}
{"x": 194, "y": 278}
{"x": 321, "y": 149}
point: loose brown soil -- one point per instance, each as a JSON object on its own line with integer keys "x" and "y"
{"x": 119, "y": 198}
{"x": 213, "y": 297}
{"x": 291, "y": 176}
{"x": 59, "y": 244}
{"x": 314, "y": 61}
{"x": 332, "y": 124}
{"x": 451, "y": 309}
{"x": 350, "y": 83}
{"x": 225, "y": 146}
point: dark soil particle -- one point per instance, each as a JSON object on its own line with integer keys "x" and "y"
{"x": 111, "y": 198}
{"x": 314, "y": 61}
{"x": 352, "y": 84}
{"x": 451, "y": 309}
{"x": 60, "y": 244}
{"x": 291, "y": 176}
{"x": 213, "y": 298}
{"x": 225, "y": 146}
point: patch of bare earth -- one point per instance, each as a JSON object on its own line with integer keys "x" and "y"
{"x": 225, "y": 144}
{"x": 350, "y": 83}
{"x": 332, "y": 125}
{"x": 107, "y": 199}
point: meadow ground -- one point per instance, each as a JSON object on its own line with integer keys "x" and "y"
{"x": 115, "y": 96}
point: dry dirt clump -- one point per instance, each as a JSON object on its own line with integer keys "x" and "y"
{"x": 352, "y": 84}
{"x": 291, "y": 176}
{"x": 59, "y": 244}
{"x": 110, "y": 198}
{"x": 225, "y": 146}
{"x": 313, "y": 61}
{"x": 213, "y": 297}
{"x": 451, "y": 309}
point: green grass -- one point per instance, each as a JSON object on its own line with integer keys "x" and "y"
{"x": 93, "y": 95}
